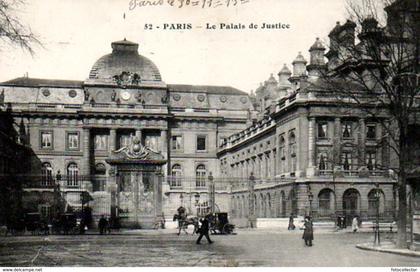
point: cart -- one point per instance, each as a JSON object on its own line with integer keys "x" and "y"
{"x": 219, "y": 224}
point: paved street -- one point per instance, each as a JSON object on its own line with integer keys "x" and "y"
{"x": 165, "y": 248}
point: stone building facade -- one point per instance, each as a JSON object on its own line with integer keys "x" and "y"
{"x": 75, "y": 129}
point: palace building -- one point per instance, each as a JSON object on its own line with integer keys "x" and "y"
{"x": 123, "y": 142}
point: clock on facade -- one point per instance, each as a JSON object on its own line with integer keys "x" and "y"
{"x": 125, "y": 95}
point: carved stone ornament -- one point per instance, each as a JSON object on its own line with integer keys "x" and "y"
{"x": 244, "y": 99}
{"x": 46, "y": 92}
{"x": 72, "y": 93}
{"x": 135, "y": 150}
{"x": 127, "y": 78}
{"x": 201, "y": 97}
{"x": 223, "y": 99}
{"x": 176, "y": 97}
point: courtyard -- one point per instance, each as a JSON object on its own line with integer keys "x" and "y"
{"x": 165, "y": 248}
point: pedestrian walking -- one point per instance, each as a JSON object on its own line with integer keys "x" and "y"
{"x": 355, "y": 224}
{"x": 291, "y": 223}
{"x": 204, "y": 231}
{"x": 102, "y": 225}
{"x": 308, "y": 233}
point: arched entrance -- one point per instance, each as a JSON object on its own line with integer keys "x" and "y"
{"x": 351, "y": 204}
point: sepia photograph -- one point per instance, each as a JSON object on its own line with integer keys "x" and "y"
{"x": 209, "y": 133}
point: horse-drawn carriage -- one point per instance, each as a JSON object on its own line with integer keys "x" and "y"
{"x": 219, "y": 224}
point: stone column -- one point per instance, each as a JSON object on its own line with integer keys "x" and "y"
{"x": 164, "y": 148}
{"x": 337, "y": 140}
{"x": 310, "y": 171}
{"x": 112, "y": 139}
{"x": 86, "y": 152}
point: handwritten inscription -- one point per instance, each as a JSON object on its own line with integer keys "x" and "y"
{"x": 133, "y": 4}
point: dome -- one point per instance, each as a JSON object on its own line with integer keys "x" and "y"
{"x": 124, "y": 59}
{"x": 299, "y": 59}
{"x": 317, "y": 46}
{"x": 285, "y": 71}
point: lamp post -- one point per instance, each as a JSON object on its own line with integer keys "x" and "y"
{"x": 197, "y": 202}
{"x": 310, "y": 198}
{"x": 377, "y": 232}
{"x": 57, "y": 192}
{"x": 251, "y": 216}
{"x": 212, "y": 193}
{"x": 181, "y": 197}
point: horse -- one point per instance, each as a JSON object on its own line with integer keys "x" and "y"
{"x": 184, "y": 222}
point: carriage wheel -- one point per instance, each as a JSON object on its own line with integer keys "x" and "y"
{"x": 227, "y": 229}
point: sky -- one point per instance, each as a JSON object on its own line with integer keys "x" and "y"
{"x": 75, "y": 33}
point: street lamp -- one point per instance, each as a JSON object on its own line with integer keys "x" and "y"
{"x": 181, "y": 197}
{"x": 377, "y": 232}
{"x": 212, "y": 192}
{"x": 310, "y": 197}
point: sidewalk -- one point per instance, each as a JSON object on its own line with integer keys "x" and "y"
{"x": 388, "y": 247}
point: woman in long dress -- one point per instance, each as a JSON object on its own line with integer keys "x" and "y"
{"x": 355, "y": 224}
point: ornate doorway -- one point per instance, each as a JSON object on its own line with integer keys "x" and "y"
{"x": 136, "y": 200}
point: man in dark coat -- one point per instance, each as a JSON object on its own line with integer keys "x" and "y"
{"x": 291, "y": 223}
{"x": 308, "y": 233}
{"x": 204, "y": 231}
{"x": 102, "y": 224}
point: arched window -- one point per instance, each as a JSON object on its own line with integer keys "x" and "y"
{"x": 176, "y": 174}
{"x": 200, "y": 176}
{"x": 282, "y": 154}
{"x": 72, "y": 175}
{"x": 325, "y": 201}
{"x": 292, "y": 152}
{"x": 46, "y": 174}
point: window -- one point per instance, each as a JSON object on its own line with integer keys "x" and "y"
{"x": 45, "y": 211}
{"x": 125, "y": 140}
{"x": 346, "y": 131}
{"x": 371, "y": 160}
{"x": 346, "y": 160}
{"x": 282, "y": 152}
{"x": 201, "y": 143}
{"x": 73, "y": 140}
{"x": 200, "y": 176}
{"x": 322, "y": 129}
{"x": 203, "y": 209}
{"x": 46, "y": 139}
{"x": 176, "y": 142}
{"x": 176, "y": 174}
{"x": 292, "y": 144}
{"x": 371, "y": 132}
{"x": 46, "y": 174}
{"x": 152, "y": 142}
{"x": 322, "y": 162}
{"x": 100, "y": 142}
{"x": 72, "y": 175}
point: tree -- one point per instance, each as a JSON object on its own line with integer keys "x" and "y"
{"x": 374, "y": 66}
{"x": 12, "y": 30}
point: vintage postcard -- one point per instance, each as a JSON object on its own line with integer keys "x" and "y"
{"x": 210, "y": 133}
